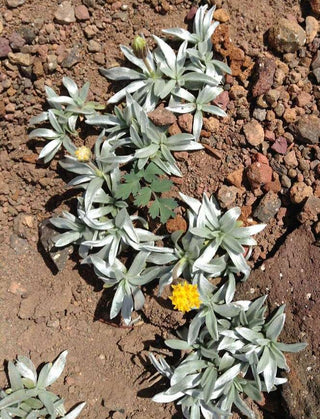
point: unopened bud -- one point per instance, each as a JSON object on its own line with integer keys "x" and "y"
{"x": 83, "y": 153}
{"x": 139, "y": 46}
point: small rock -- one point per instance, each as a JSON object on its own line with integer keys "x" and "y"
{"x": 303, "y": 99}
{"x": 286, "y": 36}
{"x": 312, "y": 27}
{"x": 221, "y": 15}
{"x": 72, "y": 58}
{"x": 16, "y": 41}
{"x": 28, "y": 33}
{"x": 300, "y": 192}
{"x": 227, "y": 196}
{"x": 280, "y": 145}
{"x": 222, "y": 100}
{"x": 94, "y": 46}
{"x": 254, "y": 133}
{"x": 181, "y": 155}
{"x": 316, "y": 74}
{"x": 175, "y": 224}
{"x": 235, "y": 178}
{"x": 274, "y": 186}
{"x": 211, "y": 124}
{"x": 308, "y": 129}
{"x": 15, "y": 3}
{"x": 259, "y": 174}
{"x": 174, "y": 129}
{"x": 65, "y": 13}
{"x": 310, "y": 211}
{"x": 285, "y": 181}
{"x": 19, "y": 245}
{"x": 4, "y": 47}
{"x": 259, "y": 114}
{"x": 315, "y": 4}
{"x": 89, "y": 3}
{"x": 17, "y": 288}
{"x": 37, "y": 68}
{"x": 52, "y": 62}
{"x": 290, "y": 115}
{"x": 272, "y": 96}
{"x": 185, "y": 122}
{"x": 237, "y": 92}
{"x": 268, "y": 207}
{"x": 82, "y": 13}
{"x": 290, "y": 159}
{"x": 162, "y": 117}
{"x": 263, "y": 78}
{"x": 59, "y": 256}
{"x": 19, "y": 58}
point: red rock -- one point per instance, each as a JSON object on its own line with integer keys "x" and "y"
{"x": 175, "y": 224}
{"x": 315, "y": 4}
{"x": 222, "y": 100}
{"x": 235, "y": 178}
{"x": 181, "y": 155}
{"x": 269, "y": 135}
{"x": 274, "y": 186}
{"x": 254, "y": 133}
{"x": 260, "y": 158}
{"x": 162, "y": 117}
{"x": 82, "y": 12}
{"x": 303, "y": 99}
{"x": 265, "y": 69}
{"x": 174, "y": 129}
{"x": 259, "y": 174}
{"x": 280, "y": 145}
{"x": 310, "y": 211}
{"x": 185, "y": 122}
{"x": 300, "y": 192}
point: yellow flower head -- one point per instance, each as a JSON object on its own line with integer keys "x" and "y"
{"x": 83, "y": 153}
{"x": 185, "y": 297}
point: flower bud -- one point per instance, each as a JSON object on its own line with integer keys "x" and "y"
{"x": 139, "y": 46}
{"x": 83, "y": 153}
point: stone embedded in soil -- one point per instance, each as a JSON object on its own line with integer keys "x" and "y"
{"x": 65, "y": 13}
{"x": 72, "y": 58}
{"x": 15, "y": 3}
{"x": 280, "y": 145}
{"x": 286, "y": 36}
{"x": 312, "y": 28}
{"x": 5, "y": 48}
{"x": 16, "y": 41}
{"x": 290, "y": 159}
{"x": 18, "y": 244}
{"x": 310, "y": 211}
{"x": 162, "y": 117}
{"x": 264, "y": 73}
{"x": 267, "y": 207}
{"x": 299, "y": 192}
{"x": 59, "y": 256}
{"x": 227, "y": 195}
{"x": 259, "y": 174}
{"x": 292, "y": 277}
{"x": 19, "y": 58}
{"x": 308, "y": 129}
{"x": 82, "y": 13}
{"x": 254, "y": 133}
{"x": 185, "y": 122}
{"x": 221, "y": 15}
{"x": 235, "y": 178}
{"x": 222, "y": 100}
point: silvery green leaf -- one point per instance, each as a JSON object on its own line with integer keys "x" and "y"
{"x": 13, "y": 398}
{"x": 194, "y": 328}
{"x": 228, "y": 376}
{"x": 180, "y": 33}
{"x": 177, "y": 344}
{"x": 182, "y": 107}
{"x": 57, "y": 368}
{"x": 275, "y": 327}
{"x": 50, "y": 148}
{"x": 70, "y": 86}
{"x": 222, "y": 66}
{"x": 243, "y": 407}
{"x": 117, "y": 302}
{"x": 167, "y": 51}
{"x": 126, "y": 309}
{"x": 269, "y": 372}
{"x": 43, "y": 116}
{"x": 248, "y": 334}
{"x": 166, "y": 398}
{"x": 14, "y": 377}
{"x": 26, "y": 368}
{"x": 193, "y": 203}
{"x": 121, "y": 73}
{"x": 47, "y": 401}
{"x": 43, "y": 133}
{"x": 227, "y": 221}
{"x": 91, "y": 191}
{"x": 291, "y": 347}
{"x": 128, "y": 53}
{"x": 211, "y": 323}
{"x": 232, "y": 245}
{"x": 75, "y": 412}
{"x": 161, "y": 365}
{"x": 131, "y": 88}
{"x": 66, "y": 238}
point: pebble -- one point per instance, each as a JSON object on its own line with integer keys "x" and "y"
{"x": 15, "y": 3}
{"x": 227, "y": 196}
{"x": 290, "y": 159}
{"x": 19, "y": 245}
{"x": 303, "y": 99}
{"x": 4, "y": 47}
{"x": 300, "y": 192}
{"x": 280, "y": 145}
{"x": 259, "y": 114}
{"x": 177, "y": 223}
{"x": 285, "y": 181}
{"x": 312, "y": 28}
{"x": 221, "y": 15}
{"x": 72, "y": 58}
{"x": 211, "y": 124}
{"x": 162, "y": 117}
{"x": 310, "y": 211}
{"x": 259, "y": 174}
{"x": 82, "y": 13}
{"x": 286, "y": 36}
{"x": 268, "y": 207}
{"x": 222, "y": 100}
{"x": 65, "y": 13}
{"x": 52, "y": 62}
{"x": 290, "y": 115}
{"x": 235, "y": 178}
{"x": 254, "y": 133}
{"x": 308, "y": 129}
{"x": 89, "y": 3}
{"x": 94, "y": 46}
{"x": 264, "y": 74}
{"x": 20, "y": 59}
{"x": 185, "y": 122}
{"x": 16, "y": 41}
{"x": 315, "y": 4}
{"x": 1, "y": 27}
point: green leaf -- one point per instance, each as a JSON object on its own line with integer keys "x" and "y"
{"x": 161, "y": 185}
{"x": 143, "y": 197}
{"x": 163, "y": 208}
{"x": 130, "y": 186}
{"x": 150, "y": 172}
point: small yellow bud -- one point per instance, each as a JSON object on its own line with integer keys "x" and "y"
{"x": 83, "y": 153}
{"x": 139, "y": 46}
{"x": 185, "y": 297}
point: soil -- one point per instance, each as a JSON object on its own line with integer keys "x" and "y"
{"x": 43, "y": 312}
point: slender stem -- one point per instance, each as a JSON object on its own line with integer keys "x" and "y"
{"x": 147, "y": 64}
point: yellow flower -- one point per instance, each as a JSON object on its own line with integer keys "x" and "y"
{"x": 185, "y": 297}
{"x": 83, "y": 153}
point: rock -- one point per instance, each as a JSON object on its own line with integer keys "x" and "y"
{"x": 274, "y": 186}
{"x": 82, "y": 13}
{"x": 310, "y": 211}
{"x": 286, "y": 36}
{"x": 268, "y": 207}
{"x": 28, "y": 33}
{"x": 316, "y": 73}
{"x": 174, "y": 129}
{"x": 290, "y": 115}
{"x": 15, "y": 3}
{"x": 292, "y": 277}
{"x": 259, "y": 114}
{"x": 227, "y": 196}
{"x": 308, "y": 129}
{"x": 259, "y": 174}
{"x": 4, "y": 47}
{"x": 221, "y": 15}
{"x": 211, "y": 124}
{"x": 72, "y": 58}
{"x": 299, "y": 192}
{"x": 18, "y": 244}
{"x": 181, "y": 155}
{"x": 162, "y": 117}
{"x": 19, "y": 58}
{"x": 285, "y": 181}
{"x": 177, "y": 223}
{"x": 185, "y": 122}
{"x": 16, "y": 41}
{"x": 290, "y": 159}
{"x": 59, "y": 256}
{"x": 280, "y": 145}
{"x": 263, "y": 77}
{"x": 312, "y": 28}
{"x": 254, "y": 133}
{"x": 89, "y": 3}
{"x": 315, "y": 4}
{"x": 222, "y": 100}
{"x": 272, "y": 96}
{"x": 235, "y": 178}
{"x": 65, "y": 13}
{"x": 94, "y": 46}
{"x": 303, "y": 99}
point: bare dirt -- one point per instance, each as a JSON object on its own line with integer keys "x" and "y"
{"x": 43, "y": 312}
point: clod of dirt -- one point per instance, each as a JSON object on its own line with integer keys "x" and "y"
{"x": 268, "y": 207}
{"x": 286, "y": 36}
{"x": 258, "y": 174}
{"x": 176, "y": 223}
{"x": 235, "y": 178}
